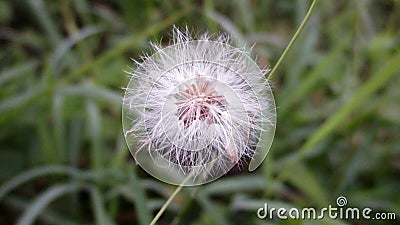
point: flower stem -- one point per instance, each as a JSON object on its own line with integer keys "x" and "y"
{"x": 294, "y": 38}
{"x": 166, "y": 204}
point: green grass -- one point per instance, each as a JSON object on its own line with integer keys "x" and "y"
{"x": 63, "y": 158}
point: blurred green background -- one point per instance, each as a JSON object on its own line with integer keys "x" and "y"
{"x": 63, "y": 158}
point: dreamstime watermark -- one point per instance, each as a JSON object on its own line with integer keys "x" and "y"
{"x": 340, "y": 211}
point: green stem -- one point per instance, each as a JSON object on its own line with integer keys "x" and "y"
{"x": 166, "y": 204}
{"x": 294, "y": 38}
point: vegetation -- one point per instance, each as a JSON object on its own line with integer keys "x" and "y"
{"x": 63, "y": 157}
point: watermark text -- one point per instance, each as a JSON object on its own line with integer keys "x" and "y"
{"x": 340, "y": 211}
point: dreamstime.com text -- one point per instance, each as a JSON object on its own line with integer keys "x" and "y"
{"x": 333, "y": 212}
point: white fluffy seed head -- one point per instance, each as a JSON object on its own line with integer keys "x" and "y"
{"x": 197, "y": 106}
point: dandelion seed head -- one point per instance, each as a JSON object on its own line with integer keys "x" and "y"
{"x": 197, "y": 106}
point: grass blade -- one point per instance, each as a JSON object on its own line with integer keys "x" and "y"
{"x": 43, "y": 200}
{"x": 17, "y": 71}
{"x": 377, "y": 81}
{"x": 34, "y": 173}
{"x": 98, "y": 207}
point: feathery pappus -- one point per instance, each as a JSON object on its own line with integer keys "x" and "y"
{"x": 196, "y": 106}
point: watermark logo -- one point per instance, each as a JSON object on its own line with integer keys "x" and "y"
{"x": 341, "y": 201}
{"x": 340, "y": 211}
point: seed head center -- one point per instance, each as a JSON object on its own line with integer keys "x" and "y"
{"x": 199, "y": 101}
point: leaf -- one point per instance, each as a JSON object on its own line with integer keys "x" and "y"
{"x": 377, "y": 80}
{"x": 98, "y": 207}
{"x": 94, "y": 130}
{"x": 17, "y": 71}
{"x": 140, "y": 198}
{"x": 34, "y": 173}
{"x": 302, "y": 178}
{"x": 234, "y": 184}
{"x": 43, "y": 200}
{"x": 47, "y": 216}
